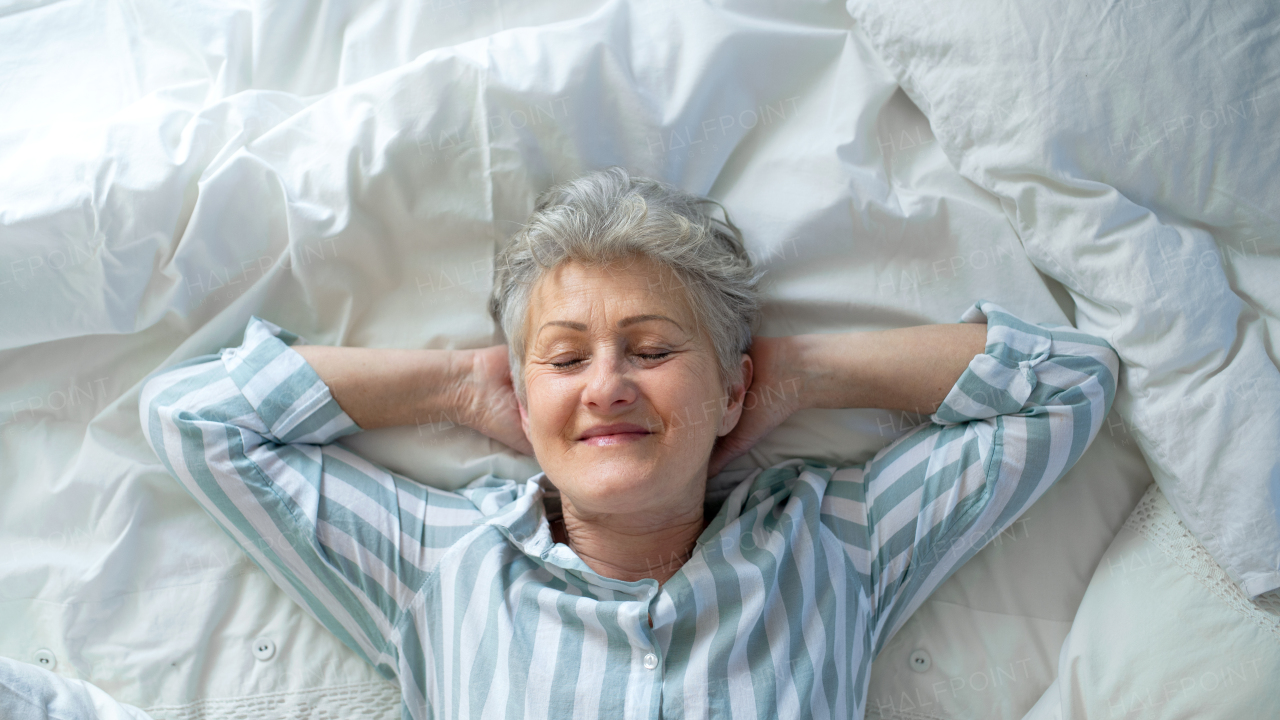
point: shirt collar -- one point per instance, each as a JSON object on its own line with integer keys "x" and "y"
{"x": 524, "y": 522}
{"x": 518, "y": 512}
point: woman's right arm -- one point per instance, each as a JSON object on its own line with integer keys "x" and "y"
{"x": 249, "y": 433}
{"x": 387, "y": 387}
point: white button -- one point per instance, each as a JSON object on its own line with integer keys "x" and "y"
{"x": 46, "y": 659}
{"x": 650, "y": 661}
{"x": 920, "y": 661}
{"x": 264, "y": 648}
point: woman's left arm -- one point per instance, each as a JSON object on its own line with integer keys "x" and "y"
{"x": 1013, "y": 404}
{"x": 909, "y": 369}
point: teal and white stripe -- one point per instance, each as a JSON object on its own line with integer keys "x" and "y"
{"x": 803, "y": 575}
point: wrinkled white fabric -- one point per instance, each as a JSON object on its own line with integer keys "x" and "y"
{"x": 1134, "y": 147}
{"x": 169, "y": 170}
{"x": 32, "y": 693}
{"x": 1162, "y": 632}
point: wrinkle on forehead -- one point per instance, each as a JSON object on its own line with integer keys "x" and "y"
{"x": 557, "y": 298}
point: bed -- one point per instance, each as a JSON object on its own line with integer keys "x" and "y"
{"x": 348, "y": 170}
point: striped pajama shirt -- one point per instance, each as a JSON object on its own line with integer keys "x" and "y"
{"x": 802, "y": 576}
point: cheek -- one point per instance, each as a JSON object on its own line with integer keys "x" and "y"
{"x": 686, "y": 400}
{"x": 550, "y": 405}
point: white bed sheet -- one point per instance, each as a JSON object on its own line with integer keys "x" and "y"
{"x": 1135, "y": 148}
{"x": 347, "y": 173}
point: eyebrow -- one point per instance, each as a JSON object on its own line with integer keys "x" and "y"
{"x": 621, "y": 323}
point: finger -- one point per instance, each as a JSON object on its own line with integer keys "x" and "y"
{"x": 511, "y": 434}
{"x": 718, "y": 462}
{"x": 749, "y": 431}
{"x": 730, "y": 449}
{"x": 522, "y": 445}
{"x": 514, "y": 440}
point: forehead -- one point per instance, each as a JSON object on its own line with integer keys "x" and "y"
{"x": 594, "y": 294}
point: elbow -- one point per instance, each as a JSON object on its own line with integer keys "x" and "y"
{"x": 149, "y": 410}
{"x": 153, "y": 413}
{"x": 1105, "y": 378}
{"x": 1110, "y": 359}
{"x": 1109, "y": 375}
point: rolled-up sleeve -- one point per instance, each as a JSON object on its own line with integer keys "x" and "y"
{"x": 1021, "y": 414}
{"x": 247, "y": 432}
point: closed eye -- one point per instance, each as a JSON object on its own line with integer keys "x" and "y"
{"x": 646, "y": 356}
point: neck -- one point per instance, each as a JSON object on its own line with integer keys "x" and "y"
{"x": 631, "y": 547}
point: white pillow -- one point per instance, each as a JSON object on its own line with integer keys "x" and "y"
{"x": 1162, "y": 632}
{"x": 1134, "y": 149}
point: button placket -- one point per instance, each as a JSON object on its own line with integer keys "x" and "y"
{"x": 650, "y": 660}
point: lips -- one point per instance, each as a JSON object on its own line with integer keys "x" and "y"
{"x": 614, "y": 429}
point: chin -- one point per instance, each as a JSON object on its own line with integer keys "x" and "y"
{"x": 618, "y": 486}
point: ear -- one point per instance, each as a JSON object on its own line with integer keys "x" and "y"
{"x": 737, "y": 397}
{"x": 524, "y": 417}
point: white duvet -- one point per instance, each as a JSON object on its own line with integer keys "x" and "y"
{"x": 1134, "y": 147}
{"x": 347, "y": 172}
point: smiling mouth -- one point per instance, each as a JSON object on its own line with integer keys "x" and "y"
{"x": 615, "y": 438}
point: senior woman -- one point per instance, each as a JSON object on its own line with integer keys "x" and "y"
{"x": 612, "y": 584}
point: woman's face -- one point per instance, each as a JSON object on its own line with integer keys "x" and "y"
{"x": 620, "y": 345}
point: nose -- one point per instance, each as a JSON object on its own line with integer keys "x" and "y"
{"x": 609, "y": 385}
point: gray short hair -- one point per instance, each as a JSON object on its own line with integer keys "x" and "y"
{"x": 608, "y": 216}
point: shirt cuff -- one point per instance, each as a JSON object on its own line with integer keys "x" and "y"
{"x": 999, "y": 381}
{"x": 284, "y": 390}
